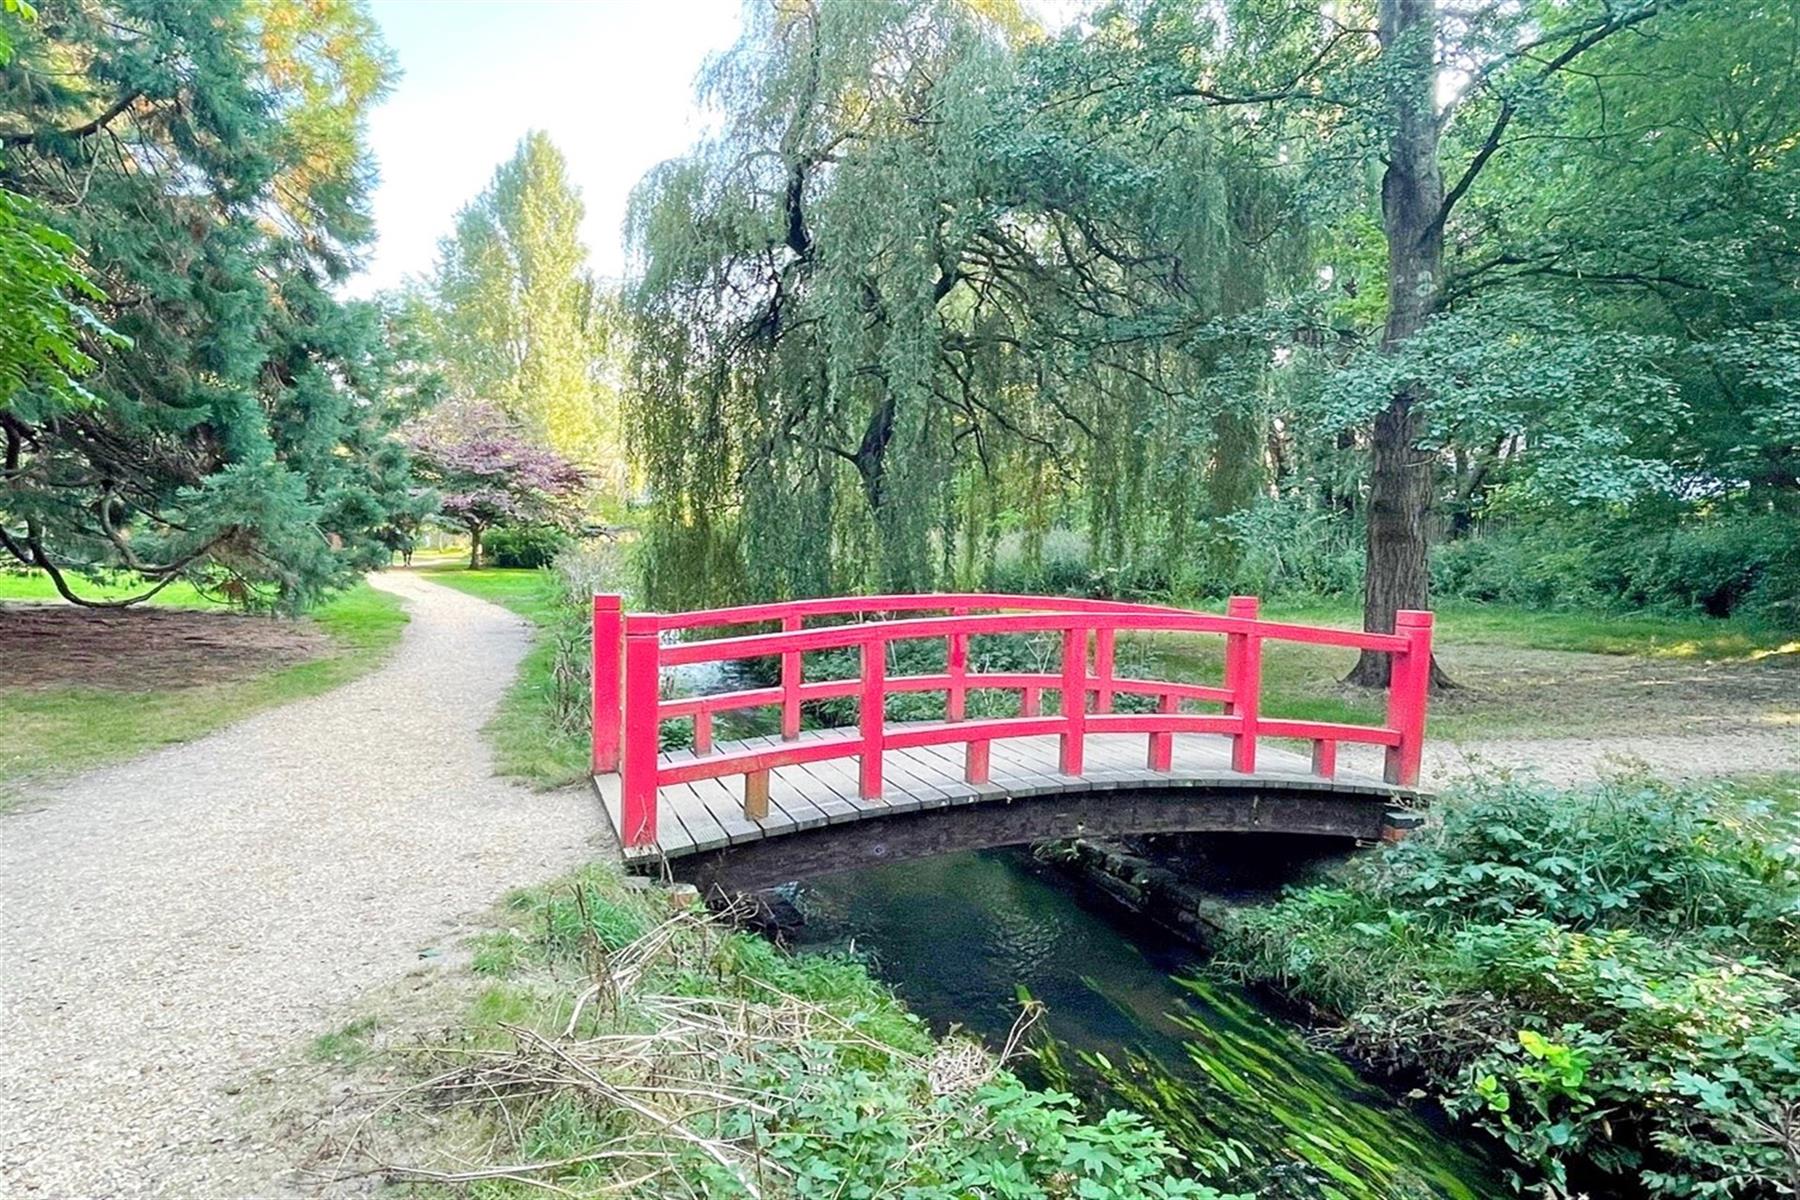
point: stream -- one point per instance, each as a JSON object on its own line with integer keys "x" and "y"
{"x": 1130, "y": 1019}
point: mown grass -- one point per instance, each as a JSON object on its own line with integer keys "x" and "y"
{"x": 1302, "y": 682}
{"x": 55, "y": 731}
{"x": 1646, "y": 635}
{"x": 528, "y": 741}
{"x": 36, "y": 585}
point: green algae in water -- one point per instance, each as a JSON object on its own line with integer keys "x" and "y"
{"x": 1253, "y": 1105}
{"x": 1128, "y": 1023}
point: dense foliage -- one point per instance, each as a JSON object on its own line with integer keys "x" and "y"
{"x": 941, "y": 281}
{"x": 1603, "y": 980}
{"x": 206, "y": 157}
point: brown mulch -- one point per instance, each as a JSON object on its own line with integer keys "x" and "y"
{"x": 45, "y": 645}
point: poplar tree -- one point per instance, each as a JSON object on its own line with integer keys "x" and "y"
{"x": 518, "y": 320}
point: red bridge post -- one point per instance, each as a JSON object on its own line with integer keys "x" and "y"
{"x": 872, "y": 717}
{"x": 1409, "y": 688}
{"x": 1074, "y": 700}
{"x": 643, "y": 726}
{"x": 1243, "y": 677}
{"x": 608, "y": 631}
{"x": 957, "y": 664}
{"x": 792, "y": 671}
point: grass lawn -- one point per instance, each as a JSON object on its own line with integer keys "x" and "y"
{"x": 60, "y": 729}
{"x": 1645, "y": 635}
{"x": 36, "y": 585}
{"x": 529, "y": 743}
{"x": 1513, "y": 665}
{"x": 1510, "y": 690}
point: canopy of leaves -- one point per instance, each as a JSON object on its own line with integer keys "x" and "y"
{"x": 487, "y": 473}
{"x": 938, "y": 278}
{"x": 512, "y": 318}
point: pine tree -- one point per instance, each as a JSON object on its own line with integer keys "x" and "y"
{"x": 207, "y": 157}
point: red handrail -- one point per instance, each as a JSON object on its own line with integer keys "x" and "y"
{"x": 629, "y": 655}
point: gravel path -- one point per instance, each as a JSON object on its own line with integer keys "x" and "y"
{"x": 171, "y": 923}
{"x": 1580, "y": 759}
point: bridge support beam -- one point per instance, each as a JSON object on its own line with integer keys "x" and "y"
{"x": 1243, "y": 678}
{"x": 976, "y": 762}
{"x": 832, "y": 848}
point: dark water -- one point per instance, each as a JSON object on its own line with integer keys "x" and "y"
{"x": 1131, "y": 1021}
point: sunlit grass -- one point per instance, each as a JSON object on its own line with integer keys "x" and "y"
{"x": 1647, "y": 635}
{"x": 37, "y": 585}
{"x": 52, "y": 731}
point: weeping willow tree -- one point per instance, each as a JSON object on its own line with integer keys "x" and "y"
{"x": 920, "y": 289}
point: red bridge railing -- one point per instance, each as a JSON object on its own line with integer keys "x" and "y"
{"x": 631, "y": 650}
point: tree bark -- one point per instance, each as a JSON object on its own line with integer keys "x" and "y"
{"x": 474, "y": 547}
{"x": 1412, "y": 198}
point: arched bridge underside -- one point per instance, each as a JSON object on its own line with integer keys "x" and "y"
{"x": 1121, "y": 752}
{"x": 816, "y": 823}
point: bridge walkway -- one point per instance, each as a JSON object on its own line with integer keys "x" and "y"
{"x": 708, "y": 814}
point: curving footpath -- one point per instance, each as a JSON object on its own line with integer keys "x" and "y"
{"x": 170, "y": 924}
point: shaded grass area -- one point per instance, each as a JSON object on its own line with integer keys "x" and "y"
{"x": 529, "y": 742}
{"x": 60, "y": 730}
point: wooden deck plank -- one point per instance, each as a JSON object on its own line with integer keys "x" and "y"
{"x": 953, "y": 761}
{"x": 920, "y": 778}
{"x": 727, "y": 809}
{"x": 705, "y": 832}
{"x": 843, "y": 778}
{"x": 836, "y": 798}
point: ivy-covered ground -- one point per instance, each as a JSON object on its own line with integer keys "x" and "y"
{"x": 1605, "y": 980}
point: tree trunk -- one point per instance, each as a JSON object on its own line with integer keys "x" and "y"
{"x": 1412, "y": 197}
{"x": 474, "y": 548}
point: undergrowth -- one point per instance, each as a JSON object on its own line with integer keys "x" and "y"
{"x": 1601, "y": 979}
{"x": 625, "y": 1048}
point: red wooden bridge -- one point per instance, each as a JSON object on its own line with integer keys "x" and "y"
{"x": 1194, "y": 756}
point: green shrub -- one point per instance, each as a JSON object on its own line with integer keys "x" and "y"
{"x": 1721, "y": 564}
{"x": 1629, "y": 854}
{"x": 1601, "y": 979}
{"x": 525, "y": 547}
{"x": 1290, "y": 548}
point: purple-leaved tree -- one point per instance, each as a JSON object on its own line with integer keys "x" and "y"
{"x": 487, "y": 474}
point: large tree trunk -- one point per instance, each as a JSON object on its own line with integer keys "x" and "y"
{"x": 474, "y": 547}
{"x": 1412, "y": 198}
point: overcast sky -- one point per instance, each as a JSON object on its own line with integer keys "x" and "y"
{"x": 611, "y": 82}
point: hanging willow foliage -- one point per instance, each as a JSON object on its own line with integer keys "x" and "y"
{"x": 906, "y": 300}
